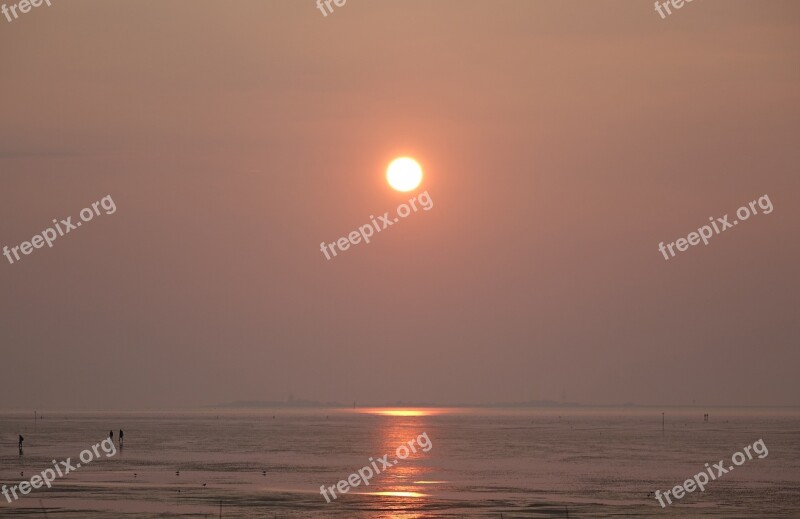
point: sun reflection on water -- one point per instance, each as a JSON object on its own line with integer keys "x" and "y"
{"x": 400, "y": 412}
{"x": 398, "y": 488}
{"x": 397, "y": 494}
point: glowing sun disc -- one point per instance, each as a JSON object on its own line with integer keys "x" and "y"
{"x": 404, "y": 174}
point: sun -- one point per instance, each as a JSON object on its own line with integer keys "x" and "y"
{"x": 404, "y": 174}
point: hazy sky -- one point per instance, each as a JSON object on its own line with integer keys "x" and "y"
{"x": 561, "y": 142}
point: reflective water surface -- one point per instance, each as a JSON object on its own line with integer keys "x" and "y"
{"x": 480, "y": 463}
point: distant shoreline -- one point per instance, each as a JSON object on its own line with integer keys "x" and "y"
{"x": 308, "y": 404}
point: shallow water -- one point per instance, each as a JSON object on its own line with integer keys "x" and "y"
{"x": 567, "y": 462}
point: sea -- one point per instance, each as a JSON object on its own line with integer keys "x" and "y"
{"x": 559, "y": 462}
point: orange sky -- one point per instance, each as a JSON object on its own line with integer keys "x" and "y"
{"x": 561, "y": 141}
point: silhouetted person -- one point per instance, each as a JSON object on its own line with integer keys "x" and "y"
{"x": 120, "y": 437}
{"x": 111, "y": 435}
{"x": 21, "y": 439}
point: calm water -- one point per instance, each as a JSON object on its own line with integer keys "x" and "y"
{"x": 534, "y": 463}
